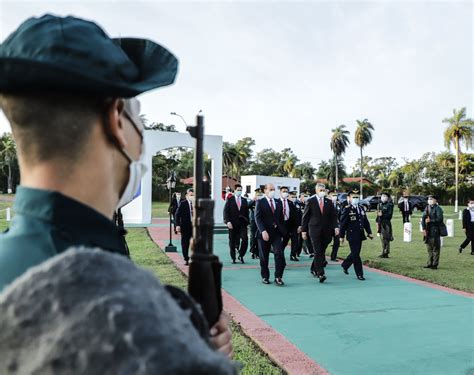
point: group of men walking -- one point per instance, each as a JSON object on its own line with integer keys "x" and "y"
{"x": 310, "y": 225}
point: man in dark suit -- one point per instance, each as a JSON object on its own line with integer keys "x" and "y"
{"x": 335, "y": 238}
{"x": 173, "y": 207}
{"x": 468, "y": 226}
{"x": 184, "y": 224}
{"x": 354, "y": 224}
{"x": 406, "y": 208}
{"x": 290, "y": 222}
{"x": 320, "y": 220}
{"x": 253, "y": 225}
{"x": 269, "y": 219}
{"x": 303, "y": 245}
{"x": 297, "y": 215}
{"x": 236, "y": 217}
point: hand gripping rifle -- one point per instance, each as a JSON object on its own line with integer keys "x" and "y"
{"x": 204, "y": 282}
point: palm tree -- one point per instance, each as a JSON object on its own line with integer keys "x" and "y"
{"x": 8, "y": 156}
{"x": 460, "y": 129}
{"x": 229, "y": 156}
{"x": 339, "y": 143}
{"x": 363, "y": 137}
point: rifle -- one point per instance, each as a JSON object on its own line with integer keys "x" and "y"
{"x": 204, "y": 282}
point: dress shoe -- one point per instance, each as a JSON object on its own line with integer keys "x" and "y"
{"x": 460, "y": 249}
{"x": 233, "y": 261}
{"x": 360, "y": 277}
{"x": 345, "y": 270}
{"x": 265, "y": 281}
{"x": 279, "y": 282}
{"x": 313, "y": 273}
{"x": 427, "y": 266}
{"x": 472, "y": 252}
{"x": 186, "y": 263}
{"x": 434, "y": 267}
{"x": 241, "y": 260}
{"x": 333, "y": 259}
{"x": 325, "y": 263}
{"x": 322, "y": 278}
{"x": 311, "y": 255}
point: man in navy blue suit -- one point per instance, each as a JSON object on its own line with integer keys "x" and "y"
{"x": 354, "y": 224}
{"x": 269, "y": 219}
{"x": 184, "y": 223}
{"x": 236, "y": 217}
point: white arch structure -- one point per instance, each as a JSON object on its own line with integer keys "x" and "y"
{"x": 138, "y": 212}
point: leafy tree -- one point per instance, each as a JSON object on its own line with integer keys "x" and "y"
{"x": 338, "y": 144}
{"x": 362, "y": 138}
{"x": 459, "y": 130}
{"x": 8, "y": 157}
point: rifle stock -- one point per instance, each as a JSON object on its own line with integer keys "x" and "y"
{"x": 204, "y": 282}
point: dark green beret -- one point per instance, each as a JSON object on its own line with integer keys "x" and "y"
{"x": 74, "y": 55}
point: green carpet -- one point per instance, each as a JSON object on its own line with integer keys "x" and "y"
{"x": 379, "y": 326}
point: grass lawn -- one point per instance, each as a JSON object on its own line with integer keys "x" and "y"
{"x": 455, "y": 270}
{"x": 159, "y": 209}
{"x": 147, "y": 254}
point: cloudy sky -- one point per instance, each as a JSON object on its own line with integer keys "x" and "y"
{"x": 286, "y": 73}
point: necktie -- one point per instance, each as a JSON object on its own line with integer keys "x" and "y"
{"x": 191, "y": 207}
{"x": 406, "y": 206}
{"x": 238, "y": 203}
{"x": 321, "y": 205}
{"x": 284, "y": 209}
{"x": 272, "y": 206}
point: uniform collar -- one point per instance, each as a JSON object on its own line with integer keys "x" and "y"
{"x": 70, "y": 216}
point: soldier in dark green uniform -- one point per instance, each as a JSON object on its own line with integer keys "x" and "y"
{"x": 68, "y": 92}
{"x": 384, "y": 222}
{"x": 253, "y": 225}
{"x": 431, "y": 221}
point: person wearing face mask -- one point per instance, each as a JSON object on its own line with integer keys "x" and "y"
{"x": 354, "y": 224}
{"x": 68, "y": 91}
{"x": 253, "y": 225}
{"x": 303, "y": 245}
{"x": 336, "y": 239}
{"x": 236, "y": 217}
{"x": 173, "y": 207}
{"x": 406, "y": 208}
{"x": 290, "y": 220}
{"x": 431, "y": 221}
{"x": 271, "y": 229}
{"x": 320, "y": 221}
{"x": 384, "y": 220}
{"x": 468, "y": 226}
{"x": 184, "y": 223}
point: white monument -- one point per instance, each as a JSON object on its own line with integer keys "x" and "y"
{"x": 138, "y": 211}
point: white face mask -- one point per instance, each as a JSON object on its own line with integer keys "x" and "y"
{"x": 178, "y": 197}
{"x": 430, "y": 202}
{"x": 321, "y": 194}
{"x": 136, "y": 168}
{"x": 238, "y": 193}
{"x": 284, "y": 195}
{"x": 355, "y": 201}
{"x": 471, "y": 206}
{"x": 271, "y": 194}
{"x": 384, "y": 199}
{"x": 191, "y": 198}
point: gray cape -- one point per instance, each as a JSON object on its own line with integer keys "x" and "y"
{"x": 93, "y": 312}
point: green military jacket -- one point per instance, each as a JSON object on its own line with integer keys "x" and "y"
{"x": 47, "y": 223}
{"x": 387, "y": 211}
{"x": 436, "y": 218}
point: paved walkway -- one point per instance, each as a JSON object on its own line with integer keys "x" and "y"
{"x": 384, "y": 325}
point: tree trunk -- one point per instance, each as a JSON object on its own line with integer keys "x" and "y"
{"x": 456, "y": 173}
{"x": 337, "y": 172}
{"x": 10, "y": 182}
{"x": 361, "y": 173}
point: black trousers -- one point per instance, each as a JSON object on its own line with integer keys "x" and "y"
{"x": 264, "y": 247}
{"x": 320, "y": 241}
{"x": 354, "y": 258}
{"x": 292, "y": 235}
{"x": 406, "y": 217}
{"x": 253, "y": 238}
{"x": 336, "y": 242}
{"x": 185, "y": 241}
{"x": 469, "y": 238}
{"x": 238, "y": 241}
{"x": 304, "y": 244}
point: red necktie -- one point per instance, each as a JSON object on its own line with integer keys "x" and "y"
{"x": 284, "y": 209}
{"x": 238, "y": 203}
{"x": 272, "y": 206}
{"x": 321, "y": 205}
